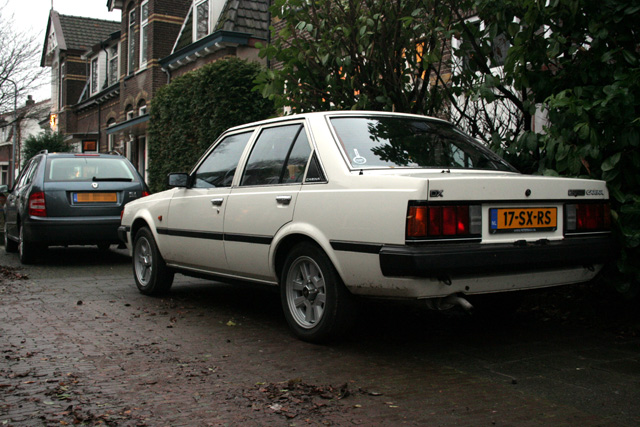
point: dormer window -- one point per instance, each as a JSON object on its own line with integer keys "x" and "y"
{"x": 113, "y": 64}
{"x": 201, "y": 20}
{"x": 94, "y": 78}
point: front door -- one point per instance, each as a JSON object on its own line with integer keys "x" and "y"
{"x": 195, "y": 221}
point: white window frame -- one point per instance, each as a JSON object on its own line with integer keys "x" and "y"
{"x": 144, "y": 34}
{"x": 111, "y": 138}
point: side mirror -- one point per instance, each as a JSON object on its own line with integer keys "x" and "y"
{"x": 4, "y": 189}
{"x": 178, "y": 180}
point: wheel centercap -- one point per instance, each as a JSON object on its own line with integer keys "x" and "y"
{"x": 310, "y": 292}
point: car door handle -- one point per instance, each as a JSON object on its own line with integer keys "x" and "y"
{"x": 217, "y": 202}
{"x": 283, "y": 200}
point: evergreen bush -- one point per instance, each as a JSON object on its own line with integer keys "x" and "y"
{"x": 188, "y": 114}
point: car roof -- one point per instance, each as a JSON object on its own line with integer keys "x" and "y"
{"x": 337, "y": 113}
{"x": 69, "y": 155}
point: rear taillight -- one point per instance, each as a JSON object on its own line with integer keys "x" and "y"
{"x": 586, "y": 217}
{"x": 145, "y": 193}
{"x": 443, "y": 221}
{"x": 37, "y": 205}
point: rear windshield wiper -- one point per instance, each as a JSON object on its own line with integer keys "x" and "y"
{"x": 96, "y": 179}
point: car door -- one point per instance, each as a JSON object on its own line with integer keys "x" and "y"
{"x": 195, "y": 220}
{"x": 265, "y": 197}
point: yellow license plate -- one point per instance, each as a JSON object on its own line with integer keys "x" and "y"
{"x": 95, "y": 197}
{"x": 522, "y": 220}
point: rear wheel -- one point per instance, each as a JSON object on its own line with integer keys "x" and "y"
{"x": 150, "y": 272}
{"x": 10, "y": 246}
{"x": 316, "y": 303}
{"x": 27, "y": 251}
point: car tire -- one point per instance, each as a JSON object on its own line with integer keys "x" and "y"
{"x": 317, "y": 305}
{"x": 10, "y": 246}
{"x": 27, "y": 251}
{"x": 150, "y": 272}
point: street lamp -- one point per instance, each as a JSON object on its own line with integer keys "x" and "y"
{"x": 12, "y": 167}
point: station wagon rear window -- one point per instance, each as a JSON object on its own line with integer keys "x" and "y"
{"x": 87, "y": 169}
{"x": 395, "y": 142}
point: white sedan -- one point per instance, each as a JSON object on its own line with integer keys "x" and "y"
{"x": 329, "y": 206}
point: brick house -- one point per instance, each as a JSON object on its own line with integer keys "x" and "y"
{"x": 103, "y": 106}
{"x": 67, "y": 40}
{"x": 30, "y": 119}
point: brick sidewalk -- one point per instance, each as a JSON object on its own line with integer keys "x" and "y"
{"x": 80, "y": 345}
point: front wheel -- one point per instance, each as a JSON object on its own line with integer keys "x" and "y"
{"x": 150, "y": 272}
{"x": 316, "y": 303}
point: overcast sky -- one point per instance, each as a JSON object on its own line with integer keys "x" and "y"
{"x": 32, "y": 15}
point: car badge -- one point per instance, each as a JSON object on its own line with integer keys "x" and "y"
{"x": 94, "y": 184}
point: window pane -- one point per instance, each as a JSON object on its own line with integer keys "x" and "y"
{"x": 132, "y": 42}
{"x": 218, "y": 168}
{"x": 86, "y": 168}
{"x": 113, "y": 70}
{"x": 267, "y": 159}
{"x": 143, "y": 44}
{"x": 298, "y": 158}
{"x": 202, "y": 20}
{"x": 94, "y": 76}
{"x": 390, "y": 142}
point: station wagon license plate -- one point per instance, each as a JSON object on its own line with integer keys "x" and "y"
{"x": 522, "y": 220}
{"x": 95, "y": 198}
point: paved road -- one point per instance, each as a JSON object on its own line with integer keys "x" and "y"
{"x": 80, "y": 345}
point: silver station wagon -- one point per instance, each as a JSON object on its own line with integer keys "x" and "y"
{"x": 330, "y": 206}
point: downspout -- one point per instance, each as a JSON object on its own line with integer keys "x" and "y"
{"x": 168, "y": 73}
{"x": 269, "y": 32}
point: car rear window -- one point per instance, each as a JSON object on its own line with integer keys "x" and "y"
{"x": 395, "y": 142}
{"x": 87, "y": 169}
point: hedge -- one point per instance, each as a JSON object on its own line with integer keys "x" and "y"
{"x": 188, "y": 114}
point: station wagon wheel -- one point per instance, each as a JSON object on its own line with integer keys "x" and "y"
{"x": 27, "y": 251}
{"x": 10, "y": 246}
{"x": 149, "y": 269}
{"x": 316, "y": 303}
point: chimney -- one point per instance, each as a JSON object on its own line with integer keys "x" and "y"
{"x": 30, "y": 101}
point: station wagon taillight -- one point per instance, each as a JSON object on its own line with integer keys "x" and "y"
{"x": 585, "y": 217}
{"x": 443, "y": 221}
{"x": 37, "y": 205}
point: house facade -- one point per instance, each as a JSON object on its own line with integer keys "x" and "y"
{"x": 15, "y": 127}
{"x": 118, "y": 67}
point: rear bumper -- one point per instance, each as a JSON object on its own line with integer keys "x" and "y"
{"x": 475, "y": 259}
{"x": 72, "y": 230}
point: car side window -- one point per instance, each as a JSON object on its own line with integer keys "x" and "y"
{"x": 27, "y": 175}
{"x": 218, "y": 168}
{"x": 279, "y": 156}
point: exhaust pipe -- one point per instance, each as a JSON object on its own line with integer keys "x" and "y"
{"x": 449, "y": 302}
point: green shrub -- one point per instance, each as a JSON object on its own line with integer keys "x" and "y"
{"x": 47, "y": 140}
{"x": 189, "y": 114}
